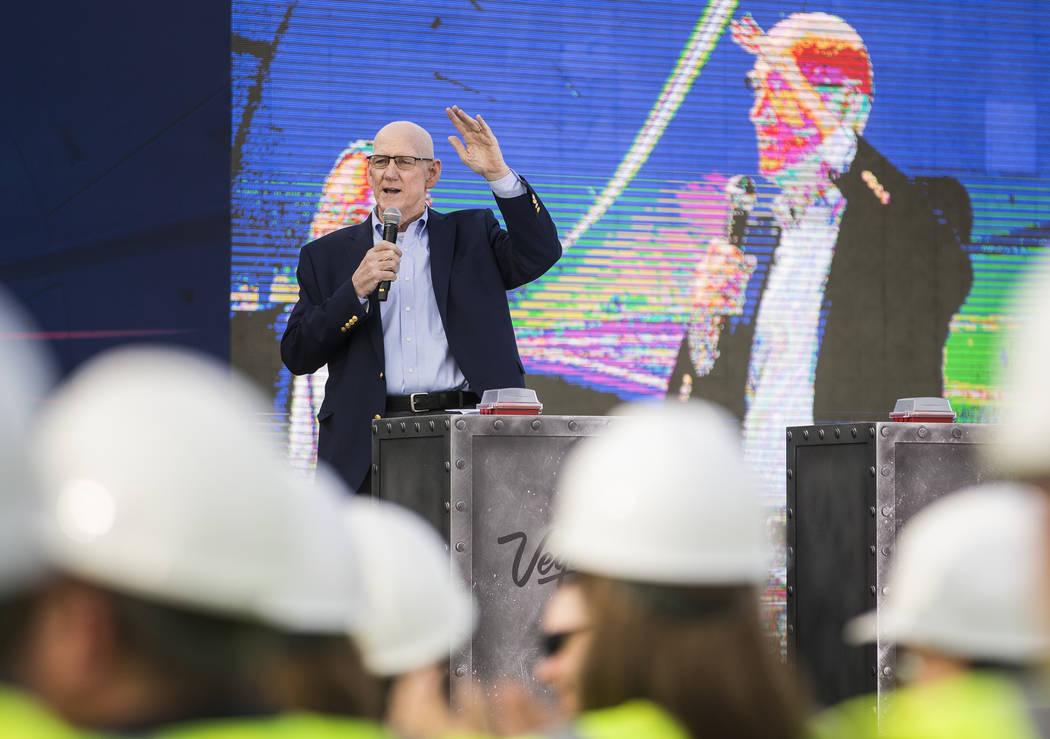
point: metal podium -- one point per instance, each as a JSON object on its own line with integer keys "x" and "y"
{"x": 850, "y": 489}
{"x": 486, "y": 482}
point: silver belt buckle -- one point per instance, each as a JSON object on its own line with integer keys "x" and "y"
{"x": 412, "y": 402}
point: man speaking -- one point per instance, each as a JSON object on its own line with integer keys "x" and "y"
{"x": 443, "y": 334}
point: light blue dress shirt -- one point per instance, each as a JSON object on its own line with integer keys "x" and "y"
{"x": 418, "y": 358}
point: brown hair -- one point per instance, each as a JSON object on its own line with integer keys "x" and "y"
{"x": 184, "y": 663}
{"x": 700, "y": 653}
{"x": 325, "y": 674}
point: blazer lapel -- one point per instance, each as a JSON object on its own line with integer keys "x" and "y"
{"x": 442, "y": 233}
{"x": 360, "y": 241}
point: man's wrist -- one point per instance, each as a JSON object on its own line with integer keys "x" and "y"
{"x": 498, "y": 175}
{"x": 507, "y": 186}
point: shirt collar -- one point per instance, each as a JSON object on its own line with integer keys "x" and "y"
{"x": 416, "y": 227}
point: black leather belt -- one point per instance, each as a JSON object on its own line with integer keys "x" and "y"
{"x": 423, "y": 402}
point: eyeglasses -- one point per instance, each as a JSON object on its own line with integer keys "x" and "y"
{"x": 404, "y": 162}
{"x": 551, "y": 644}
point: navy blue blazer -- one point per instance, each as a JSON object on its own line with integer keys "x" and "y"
{"x": 473, "y": 262}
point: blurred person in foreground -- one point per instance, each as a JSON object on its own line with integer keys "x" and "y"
{"x": 419, "y": 610}
{"x": 965, "y": 610}
{"x": 565, "y": 631}
{"x": 25, "y": 375}
{"x": 204, "y": 589}
{"x": 664, "y": 526}
{"x": 1025, "y": 451}
{"x": 418, "y": 705}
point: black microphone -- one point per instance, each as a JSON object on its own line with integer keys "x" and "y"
{"x": 391, "y": 220}
{"x": 741, "y": 192}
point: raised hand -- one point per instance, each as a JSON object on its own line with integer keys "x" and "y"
{"x": 479, "y": 148}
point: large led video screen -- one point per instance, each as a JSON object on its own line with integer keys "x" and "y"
{"x": 800, "y": 211}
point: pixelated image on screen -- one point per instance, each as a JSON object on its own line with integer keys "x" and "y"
{"x": 798, "y": 212}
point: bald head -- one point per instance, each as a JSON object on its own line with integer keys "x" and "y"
{"x": 398, "y": 185}
{"x": 406, "y": 132}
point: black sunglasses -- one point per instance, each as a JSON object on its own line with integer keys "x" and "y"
{"x": 551, "y": 644}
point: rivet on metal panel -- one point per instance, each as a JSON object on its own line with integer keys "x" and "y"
{"x": 853, "y": 432}
{"x": 886, "y": 671}
{"x": 922, "y": 432}
{"x": 390, "y": 428}
{"x": 838, "y": 432}
{"x": 403, "y": 427}
{"x": 536, "y": 425}
{"x": 460, "y": 424}
{"x": 790, "y": 590}
{"x": 956, "y": 433}
{"x": 375, "y": 468}
{"x": 461, "y": 671}
{"x": 448, "y": 506}
{"x": 375, "y": 428}
{"x": 791, "y": 628}
{"x": 872, "y": 550}
{"x": 789, "y": 436}
{"x": 791, "y": 551}
{"x": 790, "y": 473}
{"x": 872, "y": 511}
{"x": 885, "y": 470}
{"x": 417, "y": 427}
{"x": 573, "y": 425}
{"x": 448, "y": 466}
{"x": 885, "y": 431}
{"x": 461, "y": 547}
{"x": 872, "y": 588}
{"x": 497, "y": 424}
{"x": 871, "y": 431}
{"x": 874, "y": 671}
{"x": 460, "y": 505}
{"x": 820, "y": 433}
{"x": 805, "y": 434}
{"x": 885, "y": 551}
{"x": 872, "y": 471}
{"x": 461, "y": 463}
{"x": 791, "y": 512}
{"x": 431, "y": 424}
{"x": 886, "y": 511}
{"x": 885, "y": 591}
{"x": 447, "y": 424}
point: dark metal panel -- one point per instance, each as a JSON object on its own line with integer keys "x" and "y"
{"x": 413, "y": 474}
{"x": 831, "y": 575}
{"x": 850, "y": 488}
{"x": 487, "y": 483}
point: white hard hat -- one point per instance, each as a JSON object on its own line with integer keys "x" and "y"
{"x": 1024, "y": 449}
{"x": 25, "y": 377}
{"x": 662, "y": 496}
{"x": 418, "y": 609}
{"x": 967, "y": 579}
{"x": 159, "y": 481}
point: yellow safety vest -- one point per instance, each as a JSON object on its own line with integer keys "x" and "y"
{"x": 973, "y": 705}
{"x": 636, "y": 719}
{"x": 305, "y": 725}
{"x": 23, "y": 717}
